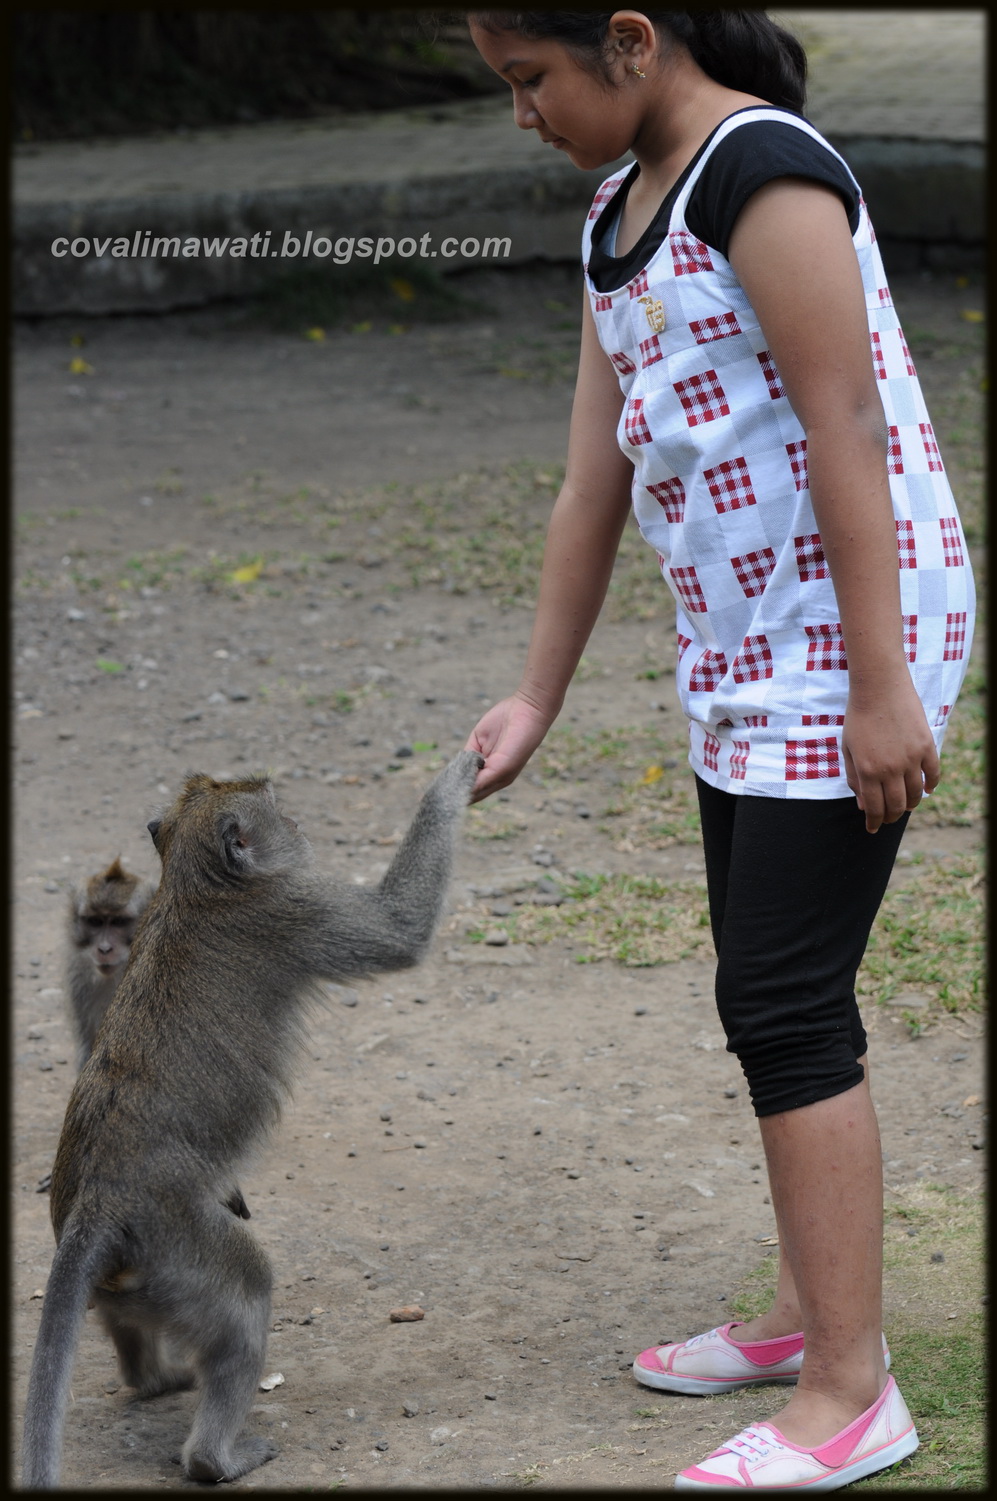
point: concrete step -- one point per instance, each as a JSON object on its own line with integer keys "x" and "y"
{"x": 899, "y": 93}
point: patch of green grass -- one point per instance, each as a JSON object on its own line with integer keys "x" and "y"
{"x": 475, "y": 532}
{"x": 233, "y": 576}
{"x": 928, "y": 937}
{"x": 637, "y": 591}
{"x": 529, "y": 1475}
{"x": 481, "y": 531}
{"x": 638, "y": 921}
{"x": 153, "y": 569}
{"x": 162, "y": 570}
{"x": 757, "y": 1289}
{"x": 587, "y": 670}
{"x": 541, "y": 361}
{"x": 958, "y": 799}
{"x": 478, "y": 531}
{"x": 637, "y": 779}
{"x": 935, "y": 1327}
{"x": 169, "y": 482}
{"x": 30, "y": 581}
{"x": 951, "y": 366}
{"x": 489, "y": 822}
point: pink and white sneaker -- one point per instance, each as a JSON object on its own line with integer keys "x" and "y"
{"x": 712, "y": 1362}
{"x": 760, "y": 1458}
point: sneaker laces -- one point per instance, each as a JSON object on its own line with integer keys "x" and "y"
{"x": 690, "y": 1344}
{"x": 752, "y": 1443}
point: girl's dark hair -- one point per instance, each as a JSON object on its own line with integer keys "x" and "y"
{"x": 742, "y": 49}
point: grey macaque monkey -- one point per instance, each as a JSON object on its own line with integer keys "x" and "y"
{"x": 103, "y": 915}
{"x": 188, "y": 1071}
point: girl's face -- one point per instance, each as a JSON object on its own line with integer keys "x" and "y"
{"x": 591, "y": 119}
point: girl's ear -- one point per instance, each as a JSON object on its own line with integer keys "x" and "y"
{"x": 633, "y": 36}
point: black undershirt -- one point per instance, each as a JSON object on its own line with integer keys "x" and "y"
{"x": 743, "y": 161}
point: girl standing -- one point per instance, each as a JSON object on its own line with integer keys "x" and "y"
{"x": 744, "y": 384}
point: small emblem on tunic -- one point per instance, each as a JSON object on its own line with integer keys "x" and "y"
{"x": 655, "y": 314}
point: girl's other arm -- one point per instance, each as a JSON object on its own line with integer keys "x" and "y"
{"x": 792, "y": 251}
{"x": 582, "y": 540}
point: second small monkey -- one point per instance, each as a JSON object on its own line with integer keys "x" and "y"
{"x": 103, "y": 916}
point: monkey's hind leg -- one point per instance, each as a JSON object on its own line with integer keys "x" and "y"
{"x": 231, "y": 1371}
{"x": 235, "y": 1313}
{"x": 145, "y": 1358}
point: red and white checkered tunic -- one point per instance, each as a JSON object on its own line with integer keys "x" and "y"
{"x": 720, "y": 492}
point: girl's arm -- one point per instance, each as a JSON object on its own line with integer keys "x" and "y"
{"x": 582, "y": 540}
{"x": 792, "y": 251}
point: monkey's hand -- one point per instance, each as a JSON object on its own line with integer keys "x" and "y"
{"x": 416, "y": 879}
{"x": 451, "y": 791}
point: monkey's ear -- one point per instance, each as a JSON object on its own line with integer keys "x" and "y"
{"x": 257, "y": 840}
{"x": 237, "y": 842}
{"x": 154, "y": 825}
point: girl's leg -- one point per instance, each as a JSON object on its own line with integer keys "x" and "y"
{"x": 717, "y": 816}
{"x": 825, "y": 1168}
{"x": 794, "y": 888}
{"x": 784, "y": 1316}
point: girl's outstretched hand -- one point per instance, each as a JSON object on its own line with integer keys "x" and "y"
{"x": 506, "y": 736}
{"x": 890, "y": 755}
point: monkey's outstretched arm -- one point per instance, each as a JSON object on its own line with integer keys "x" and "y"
{"x": 425, "y": 856}
{"x": 391, "y": 925}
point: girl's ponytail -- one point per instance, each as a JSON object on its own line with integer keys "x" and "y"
{"x": 742, "y": 49}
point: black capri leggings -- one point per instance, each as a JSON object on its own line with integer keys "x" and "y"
{"x": 794, "y": 886}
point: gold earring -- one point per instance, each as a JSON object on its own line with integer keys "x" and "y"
{"x": 639, "y": 71}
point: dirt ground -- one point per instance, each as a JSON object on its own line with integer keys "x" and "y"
{"x": 556, "y": 1161}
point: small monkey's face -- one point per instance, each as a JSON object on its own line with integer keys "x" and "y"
{"x": 227, "y": 831}
{"x": 103, "y": 916}
{"x": 107, "y": 938}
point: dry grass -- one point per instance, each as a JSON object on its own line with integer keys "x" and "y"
{"x": 928, "y": 937}
{"x": 635, "y": 920}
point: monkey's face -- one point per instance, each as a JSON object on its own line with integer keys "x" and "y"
{"x": 106, "y": 939}
{"x": 103, "y": 916}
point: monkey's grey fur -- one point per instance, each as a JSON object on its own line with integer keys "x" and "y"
{"x": 188, "y": 1072}
{"x": 103, "y": 915}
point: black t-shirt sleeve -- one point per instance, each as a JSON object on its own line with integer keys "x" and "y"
{"x": 748, "y": 158}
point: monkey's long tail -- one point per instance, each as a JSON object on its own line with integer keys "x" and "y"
{"x": 77, "y": 1260}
